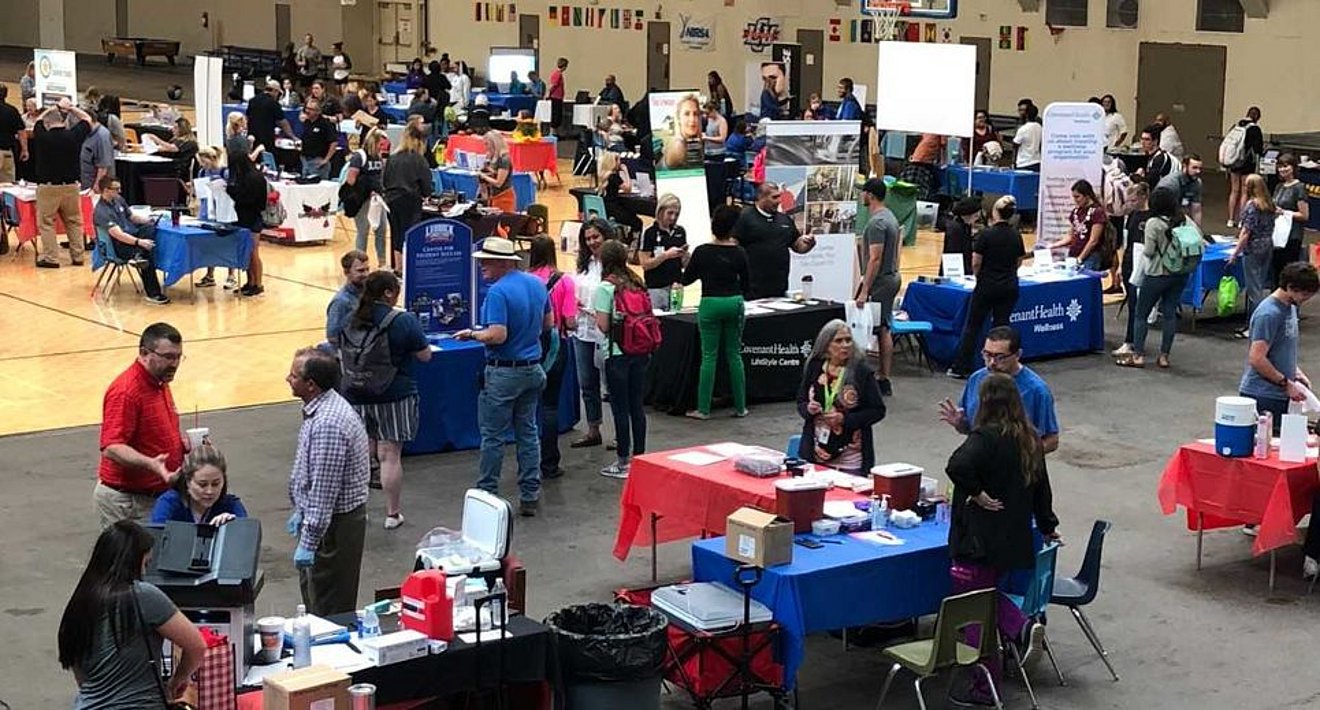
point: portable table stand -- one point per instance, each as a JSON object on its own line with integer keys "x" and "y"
{"x": 501, "y": 638}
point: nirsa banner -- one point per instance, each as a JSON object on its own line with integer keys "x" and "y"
{"x": 696, "y": 33}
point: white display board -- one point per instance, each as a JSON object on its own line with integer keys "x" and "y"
{"x": 691, "y": 193}
{"x": 815, "y": 165}
{"x": 1072, "y": 149}
{"x": 57, "y": 76}
{"x": 503, "y": 61}
{"x": 208, "y": 99}
{"x": 926, "y": 88}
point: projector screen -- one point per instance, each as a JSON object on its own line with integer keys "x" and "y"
{"x": 926, "y": 88}
{"x": 505, "y": 60}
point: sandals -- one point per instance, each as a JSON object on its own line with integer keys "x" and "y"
{"x": 1162, "y": 362}
{"x": 586, "y": 442}
{"x": 1130, "y": 360}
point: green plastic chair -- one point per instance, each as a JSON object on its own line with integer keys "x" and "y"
{"x": 929, "y": 657}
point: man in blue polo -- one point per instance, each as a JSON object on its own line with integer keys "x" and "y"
{"x": 1003, "y": 353}
{"x": 850, "y": 109}
{"x": 515, "y": 313}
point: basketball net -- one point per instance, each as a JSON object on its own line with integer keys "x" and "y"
{"x": 886, "y": 16}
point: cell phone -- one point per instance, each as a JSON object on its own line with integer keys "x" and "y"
{"x": 809, "y": 543}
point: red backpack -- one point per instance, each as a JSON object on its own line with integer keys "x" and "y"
{"x": 638, "y": 331}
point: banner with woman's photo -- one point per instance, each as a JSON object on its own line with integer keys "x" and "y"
{"x": 680, "y": 169}
{"x": 814, "y": 163}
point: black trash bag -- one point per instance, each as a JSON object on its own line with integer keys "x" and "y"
{"x": 603, "y": 642}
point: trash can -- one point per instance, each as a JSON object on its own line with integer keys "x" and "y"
{"x": 611, "y": 656}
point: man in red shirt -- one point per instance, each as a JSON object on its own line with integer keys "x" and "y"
{"x": 556, "y": 94}
{"x": 141, "y": 445}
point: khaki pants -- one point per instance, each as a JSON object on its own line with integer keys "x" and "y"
{"x": 66, "y": 202}
{"x": 7, "y": 166}
{"x": 330, "y": 586}
{"x": 113, "y": 506}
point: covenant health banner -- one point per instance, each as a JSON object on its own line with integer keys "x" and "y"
{"x": 1072, "y": 149}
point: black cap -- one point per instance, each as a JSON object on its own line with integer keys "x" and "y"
{"x": 876, "y": 186}
{"x": 966, "y": 206}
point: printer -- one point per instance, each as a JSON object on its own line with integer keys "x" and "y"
{"x": 211, "y": 573}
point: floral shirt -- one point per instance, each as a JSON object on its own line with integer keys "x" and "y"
{"x": 843, "y": 452}
{"x": 1259, "y": 226}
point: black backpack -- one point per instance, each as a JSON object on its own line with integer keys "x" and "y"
{"x": 365, "y": 361}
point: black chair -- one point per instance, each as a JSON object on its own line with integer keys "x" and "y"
{"x": 1077, "y": 592}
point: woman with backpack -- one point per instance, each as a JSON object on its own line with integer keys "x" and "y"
{"x": 1240, "y": 153}
{"x": 1086, "y": 234}
{"x": 623, "y": 313}
{"x": 557, "y": 353}
{"x": 721, "y": 266}
{"x": 1164, "y": 280}
{"x": 1256, "y": 241}
{"x": 367, "y": 165}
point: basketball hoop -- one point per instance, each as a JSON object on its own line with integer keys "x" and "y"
{"x": 886, "y": 17}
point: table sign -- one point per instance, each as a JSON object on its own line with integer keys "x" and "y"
{"x": 953, "y": 266}
{"x": 57, "y": 76}
{"x": 438, "y": 279}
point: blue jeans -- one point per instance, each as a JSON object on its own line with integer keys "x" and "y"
{"x": 1092, "y": 262}
{"x": 319, "y": 167}
{"x": 626, "y": 375}
{"x": 364, "y": 230}
{"x": 1256, "y": 272}
{"x": 588, "y": 379}
{"x": 1166, "y": 291}
{"x": 509, "y": 399}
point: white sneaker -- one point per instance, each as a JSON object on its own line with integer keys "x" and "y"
{"x": 614, "y": 470}
{"x": 1249, "y": 530}
{"x": 1153, "y": 318}
{"x": 1035, "y": 644}
{"x": 1310, "y": 567}
{"x": 1124, "y": 349}
{"x": 1230, "y": 224}
{"x": 231, "y": 283}
{"x": 393, "y": 521}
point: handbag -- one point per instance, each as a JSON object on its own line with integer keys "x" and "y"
{"x": 1283, "y": 225}
{"x": 1227, "y": 297}
{"x": 1138, "y": 264}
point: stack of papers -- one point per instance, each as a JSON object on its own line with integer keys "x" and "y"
{"x": 839, "y": 479}
{"x": 696, "y": 458}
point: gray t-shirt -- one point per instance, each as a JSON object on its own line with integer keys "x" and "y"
{"x": 1187, "y": 188}
{"x": 1288, "y": 197}
{"x": 98, "y": 151}
{"x": 119, "y": 676}
{"x": 1273, "y": 322}
{"x": 882, "y": 230}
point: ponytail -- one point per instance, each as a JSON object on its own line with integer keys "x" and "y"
{"x": 378, "y": 283}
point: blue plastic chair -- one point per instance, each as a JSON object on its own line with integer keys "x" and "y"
{"x": 113, "y": 266}
{"x": 1077, "y": 592}
{"x": 1033, "y": 603}
{"x": 11, "y": 219}
{"x": 910, "y": 335}
{"x": 593, "y": 204}
{"x": 794, "y": 444}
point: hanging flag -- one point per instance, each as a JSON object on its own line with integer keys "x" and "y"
{"x": 868, "y": 32}
{"x": 499, "y": 12}
{"x": 565, "y": 15}
{"x": 836, "y": 27}
{"x": 554, "y": 15}
{"x": 577, "y": 17}
{"x": 930, "y": 34}
{"x": 1021, "y": 39}
{"x": 600, "y": 17}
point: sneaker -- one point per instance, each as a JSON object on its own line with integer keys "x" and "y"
{"x": 697, "y": 414}
{"x": 47, "y": 264}
{"x": 955, "y": 374}
{"x": 528, "y": 508}
{"x": 250, "y": 290}
{"x": 614, "y": 470}
{"x": 886, "y": 388}
{"x": 557, "y": 472}
{"x": 231, "y": 283}
{"x": 393, "y": 521}
{"x": 1249, "y": 530}
{"x": 741, "y": 414}
{"x": 205, "y": 282}
{"x": 1033, "y": 643}
{"x": 1153, "y": 318}
{"x": 1230, "y": 224}
{"x": 1124, "y": 349}
{"x": 156, "y": 300}
{"x": 1310, "y": 567}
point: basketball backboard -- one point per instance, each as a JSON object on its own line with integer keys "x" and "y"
{"x": 929, "y": 9}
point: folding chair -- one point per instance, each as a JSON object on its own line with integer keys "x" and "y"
{"x": 113, "y": 266}
{"x": 910, "y": 335}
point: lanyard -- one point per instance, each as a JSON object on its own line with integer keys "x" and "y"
{"x": 831, "y": 392}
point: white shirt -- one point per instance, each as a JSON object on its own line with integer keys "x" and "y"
{"x": 586, "y": 285}
{"x": 1171, "y": 142}
{"x": 460, "y": 86}
{"x": 1027, "y": 139}
{"x": 1115, "y": 127}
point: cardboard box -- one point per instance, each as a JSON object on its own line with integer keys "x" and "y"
{"x": 758, "y": 538}
{"x": 392, "y": 648}
{"x": 310, "y": 688}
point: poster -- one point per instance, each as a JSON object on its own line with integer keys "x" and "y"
{"x": 57, "y": 76}
{"x": 789, "y": 58}
{"x": 676, "y": 124}
{"x": 696, "y": 33}
{"x": 438, "y": 280}
{"x": 1072, "y": 149}
{"x": 815, "y": 165}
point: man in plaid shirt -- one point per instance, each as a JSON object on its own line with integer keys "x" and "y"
{"x": 328, "y": 487}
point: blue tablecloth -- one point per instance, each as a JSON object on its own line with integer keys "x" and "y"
{"x": 1023, "y": 185}
{"x": 181, "y": 250}
{"x": 1054, "y": 318}
{"x": 397, "y": 114}
{"x": 513, "y": 103}
{"x": 838, "y": 586}
{"x": 447, "y": 409}
{"x": 394, "y": 87}
{"x": 465, "y": 183}
{"x": 1214, "y": 265}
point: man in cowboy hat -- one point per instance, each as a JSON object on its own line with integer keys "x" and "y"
{"x": 513, "y": 316}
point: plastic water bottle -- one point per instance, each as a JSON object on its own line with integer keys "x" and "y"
{"x": 877, "y": 521}
{"x": 370, "y": 623}
{"x": 675, "y": 298}
{"x": 884, "y": 511}
{"x": 302, "y": 639}
{"x": 499, "y": 607}
{"x": 1264, "y": 429}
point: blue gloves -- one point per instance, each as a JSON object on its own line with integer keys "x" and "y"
{"x": 295, "y": 521}
{"x": 303, "y": 557}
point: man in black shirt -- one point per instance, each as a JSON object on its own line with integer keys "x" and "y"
{"x": 612, "y": 94}
{"x": 767, "y": 235}
{"x": 57, "y": 147}
{"x": 13, "y": 137}
{"x": 320, "y": 140}
{"x": 264, "y": 115}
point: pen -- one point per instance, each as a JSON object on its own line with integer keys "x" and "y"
{"x": 355, "y": 648}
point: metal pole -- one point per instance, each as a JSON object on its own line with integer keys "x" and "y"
{"x": 654, "y": 550}
{"x": 1200, "y": 533}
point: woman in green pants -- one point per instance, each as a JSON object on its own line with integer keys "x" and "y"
{"x": 721, "y": 266}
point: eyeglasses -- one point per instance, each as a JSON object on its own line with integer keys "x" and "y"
{"x": 996, "y": 357}
{"x": 168, "y": 357}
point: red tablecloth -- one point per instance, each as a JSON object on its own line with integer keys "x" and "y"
{"x": 527, "y": 157}
{"x": 688, "y": 499}
{"x": 27, "y": 219}
{"x": 1233, "y": 491}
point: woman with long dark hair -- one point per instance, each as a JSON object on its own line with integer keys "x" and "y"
{"x": 588, "y": 338}
{"x": 1290, "y": 195}
{"x": 721, "y": 267}
{"x": 625, "y": 373}
{"x": 247, "y": 187}
{"x": 839, "y": 401}
{"x": 1116, "y": 128}
{"x": 1000, "y": 485}
{"x": 1159, "y": 284}
{"x": 997, "y": 253}
{"x": 719, "y": 93}
{"x": 1086, "y": 228}
{"x": 200, "y": 493}
{"x": 114, "y": 624}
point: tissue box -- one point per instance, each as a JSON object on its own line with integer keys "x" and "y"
{"x": 398, "y": 646}
{"x": 305, "y": 689}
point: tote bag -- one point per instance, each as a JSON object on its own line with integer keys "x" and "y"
{"x": 1283, "y": 225}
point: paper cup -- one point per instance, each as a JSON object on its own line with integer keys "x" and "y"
{"x": 196, "y": 435}
{"x": 270, "y": 630}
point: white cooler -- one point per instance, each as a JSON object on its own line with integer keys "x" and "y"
{"x": 1235, "y": 426}
{"x": 706, "y": 606}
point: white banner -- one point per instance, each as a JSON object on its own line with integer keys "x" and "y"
{"x": 1072, "y": 149}
{"x": 57, "y": 76}
{"x": 696, "y": 33}
{"x": 208, "y": 98}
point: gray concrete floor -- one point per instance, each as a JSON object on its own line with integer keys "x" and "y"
{"x": 1213, "y": 639}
